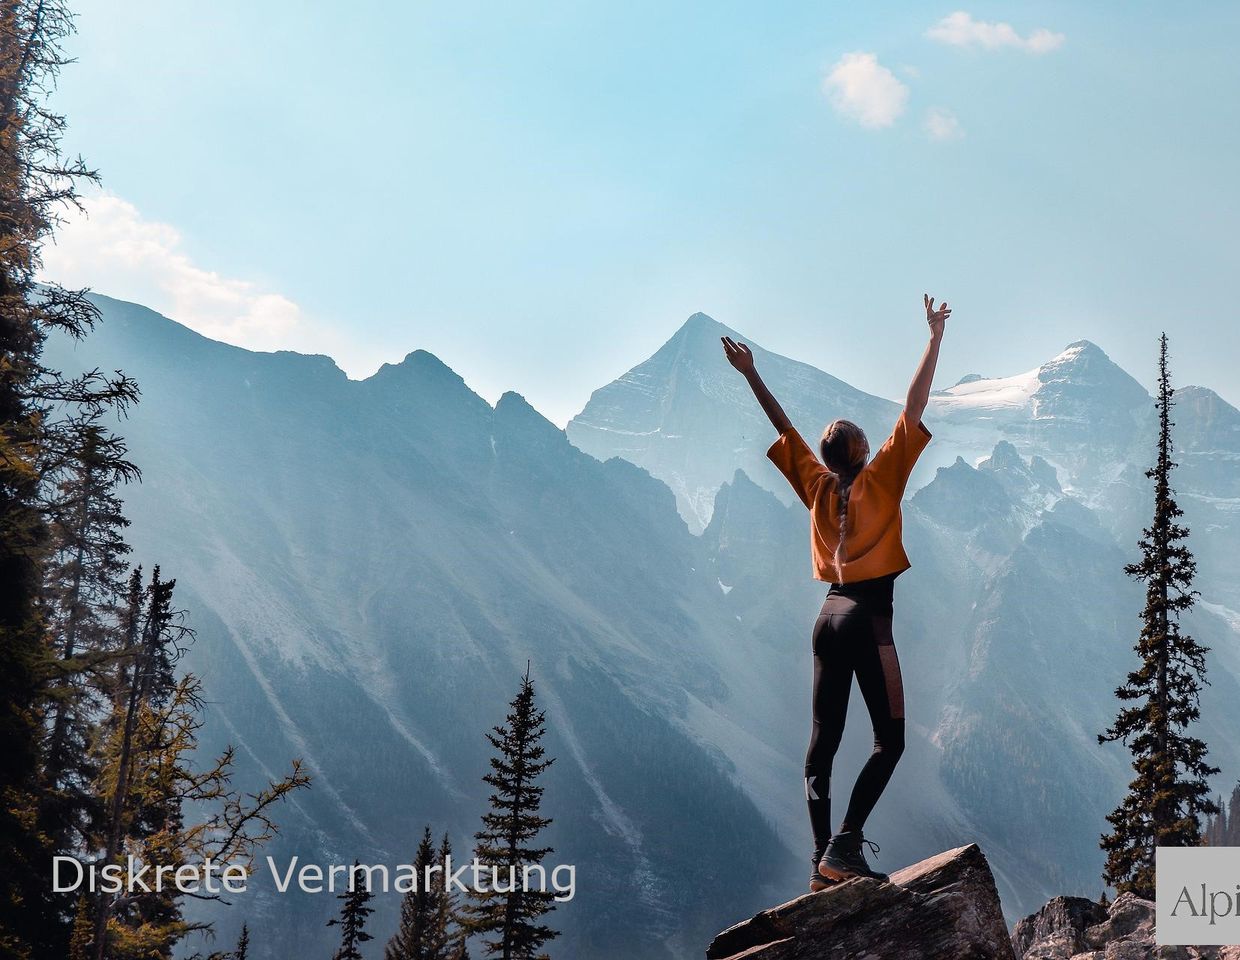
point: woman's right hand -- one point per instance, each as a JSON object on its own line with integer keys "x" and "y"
{"x": 738, "y": 354}
{"x": 936, "y": 318}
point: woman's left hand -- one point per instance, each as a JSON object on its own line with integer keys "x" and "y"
{"x": 738, "y": 355}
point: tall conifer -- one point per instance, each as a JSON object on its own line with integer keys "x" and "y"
{"x": 452, "y": 938}
{"x": 1170, "y": 791}
{"x": 418, "y": 936}
{"x": 243, "y": 944}
{"x": 505, "y": 915}
{"x": 354, "y": 910}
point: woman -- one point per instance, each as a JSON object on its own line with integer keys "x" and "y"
{"x": 855, "y": 542}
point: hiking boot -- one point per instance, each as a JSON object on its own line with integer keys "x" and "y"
{"x": 844, "y": 859}
{"x": 817, "y": 881}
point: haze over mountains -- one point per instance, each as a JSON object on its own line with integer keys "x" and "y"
{"x": 370, "y": 563}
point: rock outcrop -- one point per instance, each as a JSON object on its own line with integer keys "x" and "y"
{"x": 1073, "y": 928}
{"x": 944, "y": 908}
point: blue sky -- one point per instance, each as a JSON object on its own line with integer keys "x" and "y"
{"x": 541, "y": 195}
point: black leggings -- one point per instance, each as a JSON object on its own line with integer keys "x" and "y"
{"x": 852, "y": 636}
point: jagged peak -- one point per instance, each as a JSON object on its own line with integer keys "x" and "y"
{"x": 513, "y": 403}
{"x": 418, "y": 362}
{"x": 512, "y": 409}
{"x": 1005, "y": 452}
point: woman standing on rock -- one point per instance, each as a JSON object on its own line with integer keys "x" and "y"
{"x": 855, "y": 542}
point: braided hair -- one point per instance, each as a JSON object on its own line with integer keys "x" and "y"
{"x": 845, "y": 450}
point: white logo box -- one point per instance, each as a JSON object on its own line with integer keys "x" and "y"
{"x": 1197, "y": 896}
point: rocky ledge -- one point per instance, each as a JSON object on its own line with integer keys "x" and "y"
{"x": 944, "y": 908}
{"x": 1073, "y": 928}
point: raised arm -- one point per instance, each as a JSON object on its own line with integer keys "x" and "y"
{"x": 741, "y": 358}
{"x": 919, "y": 389}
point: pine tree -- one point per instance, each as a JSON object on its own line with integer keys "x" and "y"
{"x": 1215, "y": 833}
{"x": 38, "y": 410}
{"x": 1232, "y": 836}
{"x": 500, "y": 910}
{"x": 1170, "y": 791}
{"x": 243, "y": 944}
{"x": 352, "y": 920}
{"x": 418, "y": 937}
{"x": 451, "y": 933}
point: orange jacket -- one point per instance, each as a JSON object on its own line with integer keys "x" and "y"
{"x": 872, "y": 547}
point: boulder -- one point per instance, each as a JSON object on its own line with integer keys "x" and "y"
{"x": 944, "y": 908}
{"x": 1073, "y": 928}
{"x": 1057, "y": 931}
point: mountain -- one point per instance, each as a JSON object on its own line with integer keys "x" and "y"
{"x": 687, "y": 417}
{"x": 369, "y": 565}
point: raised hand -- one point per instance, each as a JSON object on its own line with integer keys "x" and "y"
{"x": 738, "y": 354}
{"x": 936, "y": 318}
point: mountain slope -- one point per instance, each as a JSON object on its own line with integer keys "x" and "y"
{"x": 369, "y": 565}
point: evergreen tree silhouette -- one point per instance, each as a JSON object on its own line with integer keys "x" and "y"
{"x": 500, "y": 911}
{"x": 418, "y": 937}
{"x": 243, "y": 944}
{"x": 354, "y": 910}
{"x": 453, "y": 938}
{"x": 1170, "y": 791}
{"x": 1215, "y": 833}
{"x": 1231, "y": 837}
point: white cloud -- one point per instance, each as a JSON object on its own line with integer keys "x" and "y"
{"x": 941, "y": 124}
{"x": 959, "y": 29}
{"x": 112, "y": 248}
{"x": 862, "y": 89}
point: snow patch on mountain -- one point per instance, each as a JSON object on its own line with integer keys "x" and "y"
{"x": 983, "y": 396}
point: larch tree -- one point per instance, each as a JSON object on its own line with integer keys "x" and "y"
{"x": 1170, "y": 791}
{"x": 83, "y": 581}
{"x": 149, "y": 775}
